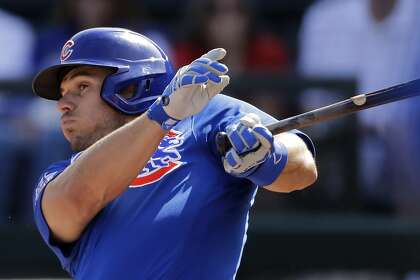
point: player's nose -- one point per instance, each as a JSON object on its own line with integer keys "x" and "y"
{"x": 65, "y": 104}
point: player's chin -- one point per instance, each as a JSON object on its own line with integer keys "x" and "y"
{"x": 76, "y": 148}
{"x": 68, "y": 133}
{"x": 73, "y": 139}
{"x": 80, "y": 142}
{"x": 77, "y": 145}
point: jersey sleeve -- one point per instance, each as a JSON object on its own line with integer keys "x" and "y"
{"x": 223, "y": 110}
{"x": 65, "y": 252}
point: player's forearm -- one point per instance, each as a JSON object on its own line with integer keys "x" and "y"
{"x": 105, "y": 169}
{"x": 300, "y": 170}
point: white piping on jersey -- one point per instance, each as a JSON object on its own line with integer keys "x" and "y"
{"x": 74, "y": 157}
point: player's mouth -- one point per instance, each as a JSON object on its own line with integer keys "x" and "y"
{"x": 69, "y": 131}
{"x": 68, "y": 125}
{"x": 67, "y": 121}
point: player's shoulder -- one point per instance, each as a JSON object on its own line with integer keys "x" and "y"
{"x": 223, "y": 108}
{"x": 222, "y": 103}
{"x": 57, "y": 166}
{"x": 226, "y": 100}
{"x": 220, "y": 107}
{"x": 51, "y": 172}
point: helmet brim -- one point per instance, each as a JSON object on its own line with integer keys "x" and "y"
{"x": 46, "y": 83}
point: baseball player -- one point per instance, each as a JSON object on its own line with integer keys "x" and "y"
{"x": 146, "y": 194}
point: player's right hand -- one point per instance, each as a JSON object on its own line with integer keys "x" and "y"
{"x": 255, "y": 154}
{"x": 191, "y": 89}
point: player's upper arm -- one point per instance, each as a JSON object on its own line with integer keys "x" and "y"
{"x": 62, "y": 212}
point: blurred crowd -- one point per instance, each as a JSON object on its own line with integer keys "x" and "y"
{"x": 372, "y": 42}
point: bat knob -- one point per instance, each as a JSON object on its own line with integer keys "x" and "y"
{"x": 222, "y": 143}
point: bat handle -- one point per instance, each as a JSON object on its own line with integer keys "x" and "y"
{"x": 222, "y": 143}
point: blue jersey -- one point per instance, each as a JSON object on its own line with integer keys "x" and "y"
{"x": 183, "y": 217}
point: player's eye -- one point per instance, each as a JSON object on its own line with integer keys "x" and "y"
{"x": 82, "y": 87}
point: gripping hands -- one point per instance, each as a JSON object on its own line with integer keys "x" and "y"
{"x": 191, "y": 89}
{"x": 254, "y": 154}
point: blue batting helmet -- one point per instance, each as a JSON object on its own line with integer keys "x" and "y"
{"x": 136, "y": 59}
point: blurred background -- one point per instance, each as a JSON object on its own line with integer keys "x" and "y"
{"x": 361, "y": 220}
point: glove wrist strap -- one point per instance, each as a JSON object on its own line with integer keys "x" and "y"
{"x": 268, "y": 171}
{"x": 157, "y": 113}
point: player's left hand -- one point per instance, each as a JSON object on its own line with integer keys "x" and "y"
{"x": 254, "y": 153}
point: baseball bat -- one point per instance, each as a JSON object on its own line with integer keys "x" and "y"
{"x": 335, "y": 110}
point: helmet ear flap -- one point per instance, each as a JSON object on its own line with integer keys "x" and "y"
{"x": 135, "y": 89}
{"x": 143, "y": 87}
{"x": 133, "y": 95}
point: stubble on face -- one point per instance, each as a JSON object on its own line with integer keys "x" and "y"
{"x": 102, "y": 128}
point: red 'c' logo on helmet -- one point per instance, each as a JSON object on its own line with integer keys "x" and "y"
{"x": 67, "y": 51}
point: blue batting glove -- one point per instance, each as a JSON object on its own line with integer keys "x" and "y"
{"x": 254, "y": 154}
{"x": 191, "y": 89}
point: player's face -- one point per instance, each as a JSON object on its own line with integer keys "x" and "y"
{"x": 85, "y": 116}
